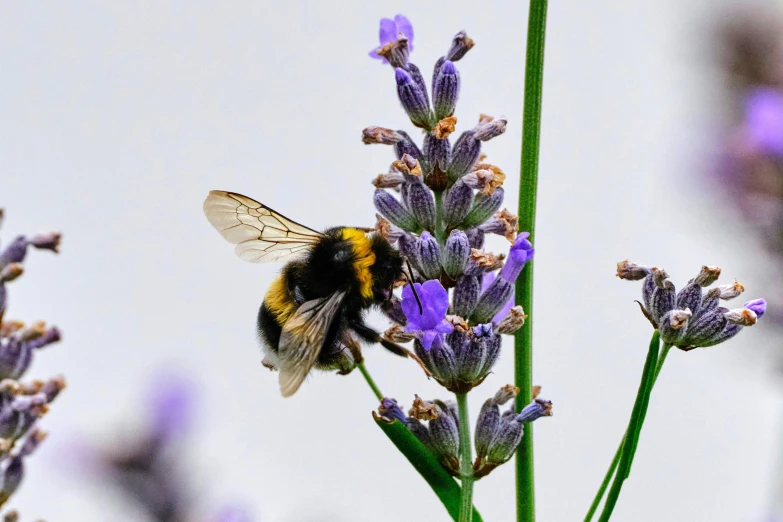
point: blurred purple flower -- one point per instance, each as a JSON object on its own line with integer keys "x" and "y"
{"x": 172, "y": 400}
{"x": 764, "y": 120}
{"x": 388, "y": 32}
{"x": 233, "y": 514}
{"x": 430, "y": 324}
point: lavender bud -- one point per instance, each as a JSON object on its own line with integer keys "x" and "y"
{"x": 407, "y": 146}
{"x": 18, "y": 415}
{"x": 460, "y": 45}
{"x": 456, "y": 254}
{"x": 512, "y": 322}
{"x": 381, "y": 135}
{"x": 486, "y": 425}
{"x": 475, "y": 360}
{"x": 391, "y": 411}
{"x": 466, "y": 295}
{"x": 418, "y": 79}
{"x": 707, "y": 276}
{"x": 428, "y": 255}
{"x": 392, "y": 308}
{"x": 457, "y": 203}
{"x": 492, "y": 300}
{"x": 505, "y": 442}
{"x": 689, "y": 297}
{"x": 10, "y": 272}
{"x": 672, "y": 325}
{"x": 437, "y": 153}
{"x": 445, "y": 90}
{"x": 704, "y": 329}
{"x": 15, "y": 252}
{"x": 484, "y": 206}
{"x": 490, "y": 128}
{"x": 476, "y": 238}
{"x": 464, "y": 155}
{"x": 439, "y": 360}
{"x": 503, "y": 223}
{"x": 413, "y": 100}
{"x": 421, "y": 203}
{"x": 535, "y": 410}
{"x": 631, "y": 271}
{"x": 731, "y": 291}
{"x": 741, "y": 317}
{"x": 393, "y": 210}
{"x": 444, "y": 433}
{"x": 396, "y": 51}
{"x": 662, "y": 300}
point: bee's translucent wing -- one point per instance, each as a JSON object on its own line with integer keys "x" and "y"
{"x": 302, "y": 340}
{"x": 259, "y": 233}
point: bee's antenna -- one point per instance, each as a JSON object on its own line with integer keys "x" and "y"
{"x": 409, "y": 277}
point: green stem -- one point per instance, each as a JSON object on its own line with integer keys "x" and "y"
{"x": 607, "y": 479}
{"x": 528, "y": 185}
{"x": 370, "y": 381}
{"x": 440, "y": 229}
{"x": 634, "y": 427}
{"x": 466, "y": 460}
{"x": 613, "y": 466}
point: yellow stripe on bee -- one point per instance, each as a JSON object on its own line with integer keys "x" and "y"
{"x": 279, "y": 301}
{"x": 364, "y": 258}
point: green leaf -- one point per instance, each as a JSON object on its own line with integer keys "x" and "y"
{"x": 444, "y": 486}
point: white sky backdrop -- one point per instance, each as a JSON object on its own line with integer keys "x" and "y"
{"x": 117, "y": 118}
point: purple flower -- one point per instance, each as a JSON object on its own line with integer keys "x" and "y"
{"x": 233, "y": 514}
{"x": 172, "y": 400}
{"x": 759, "y": 306}
{"x": 388, "y": 33}
{"x": 521, "y": 252}
{"x": 764, "y": 120}
{"x": 485, "y": 282}
{"x": 431, "y": 325}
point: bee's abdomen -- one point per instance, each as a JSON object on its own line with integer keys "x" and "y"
{"x": 268, "y": 328}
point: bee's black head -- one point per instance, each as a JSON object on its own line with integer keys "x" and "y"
{"x": 386, "y": 269}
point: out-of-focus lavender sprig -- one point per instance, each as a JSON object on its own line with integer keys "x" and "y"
{"x": 750, "y": 165}
{"x": 148, "y": 469}
{"x": 21, "y": 403}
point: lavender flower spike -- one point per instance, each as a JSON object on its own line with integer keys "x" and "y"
{"x": 389, "y": 32}
{"x": 430, "y": 326}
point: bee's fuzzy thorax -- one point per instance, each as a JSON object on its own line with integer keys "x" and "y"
{"x": 363, "y": 259}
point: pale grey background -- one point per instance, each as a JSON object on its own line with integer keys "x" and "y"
{"x": 117, "y": 118}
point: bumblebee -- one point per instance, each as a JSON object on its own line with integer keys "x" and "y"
{"x": 313, "y": 312}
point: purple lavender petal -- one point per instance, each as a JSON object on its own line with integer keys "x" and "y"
{"x": 387, "y": 31}
{"x": 759, "y": 306}
{"x": 764, "y": 120}
{"x": 405, "y": 27}
{"x": 376, "y": 56}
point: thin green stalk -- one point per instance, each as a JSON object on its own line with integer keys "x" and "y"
{"x": 613, "y": 466}
{"x": 528, "y": 185}
{"x": 440, "y": 228}
{"x": 634, "y": 427}
{"x": 605, "y": 484}
{"x": 466, "y": 460}
{"x": 370, "y": 381}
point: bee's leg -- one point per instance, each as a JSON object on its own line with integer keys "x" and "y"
{"x": 353, "y": 346}
{"x": 370, "y": 335}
